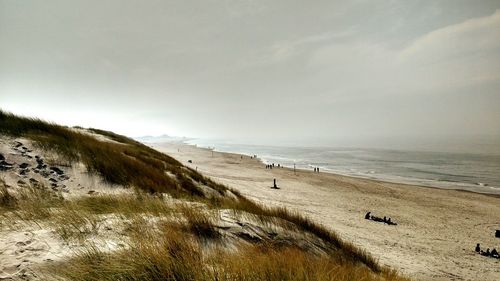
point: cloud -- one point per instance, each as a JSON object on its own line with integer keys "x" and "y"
{"x": 447, "y": 59}
{"x": 471, "y": 37}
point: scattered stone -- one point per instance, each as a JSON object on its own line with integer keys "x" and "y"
{"x": 5, "y": 163}
{"x": 32, "y": 180}
{"x": 4, "y": 166}
{"x": 23, "y": 172}
{"x": 17, "y": 144}
{"x": 23, "y": 165}
{"x": 21, "y": 182}
{"x": 36, "y": 171}
{"x": 24, "y": 148}
{"x": 52, "y": 180}
{"x": 44, "y": 174}
{"x": 57, "y": 170}
{"x": 53, "y": 184}
{"x": 91, "y": 192}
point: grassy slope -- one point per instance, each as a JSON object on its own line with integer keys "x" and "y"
{"x": 133, "y": 164}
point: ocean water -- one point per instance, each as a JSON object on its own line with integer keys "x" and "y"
{"x": 478, "y": 172}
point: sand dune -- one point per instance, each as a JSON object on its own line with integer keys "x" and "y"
{"x": 437, "y": 229}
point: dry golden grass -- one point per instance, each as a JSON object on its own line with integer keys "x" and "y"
{"x": 7, "y": 200}
{"x": 127, "y": 163}
{"x": 200, "y": 222}
{"x": 168, "y": 253}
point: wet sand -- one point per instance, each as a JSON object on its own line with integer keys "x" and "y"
{"x": 437, "y": 229}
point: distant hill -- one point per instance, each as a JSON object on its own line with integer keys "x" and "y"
{"x": 160, "y": 139}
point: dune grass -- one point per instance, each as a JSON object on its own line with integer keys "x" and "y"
{"x": 200, "y": 222}
{"x": 7, "y": 200}
{"x": 127, "y": 163}
{"x": 344, "y": 250}
{"x": 169, "y": 254}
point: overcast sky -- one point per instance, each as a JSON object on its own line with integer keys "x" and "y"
{"x": 256, "y": 71}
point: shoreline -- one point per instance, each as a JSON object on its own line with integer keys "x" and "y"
{"x": 325, "y": 170}
{"x": 437, "y": 228}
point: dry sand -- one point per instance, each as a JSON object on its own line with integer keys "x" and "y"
{"x": 437, "y": 232}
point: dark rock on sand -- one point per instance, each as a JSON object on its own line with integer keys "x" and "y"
{"x": 52, "y": 180}
{"x": 23, "y": 165}
{"x": 4, "y": 166}
{"x": 57, "y": 170}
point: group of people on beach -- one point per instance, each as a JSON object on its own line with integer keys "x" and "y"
{"x": 270, "y": 166}
{"x": 316, "y": 169}
{"x": 386, "y": 220}
{"x": 487, "y": 253}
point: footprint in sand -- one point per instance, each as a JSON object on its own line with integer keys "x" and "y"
{"x": 18, "y": 255}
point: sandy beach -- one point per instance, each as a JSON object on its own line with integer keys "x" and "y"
{"x": 437, "y": 229}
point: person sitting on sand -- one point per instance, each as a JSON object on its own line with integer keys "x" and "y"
{"x": 478, "y": 248}
{"x": 385, "y": 219}
{"x": 487, "y": 253}
{"x": 367, "y": 216}
{"x": 494, "y": 253}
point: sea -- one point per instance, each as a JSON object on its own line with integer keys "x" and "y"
{"x": 471, "y": 171}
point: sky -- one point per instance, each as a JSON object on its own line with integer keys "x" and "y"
{"x": 270, "y": 72}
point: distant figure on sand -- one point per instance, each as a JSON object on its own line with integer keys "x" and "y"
{"x": 478, "y": 248}
{"x": 494, "y": 253}
{"x": 497, "y": 233}
{"x": 487, "y": 253}
{"x": 274, "y": 185}
{"x": 386, "y": 220}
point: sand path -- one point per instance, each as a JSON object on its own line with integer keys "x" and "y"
{"x": 437, "y": 229}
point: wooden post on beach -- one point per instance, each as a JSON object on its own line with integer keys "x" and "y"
{"x": 294, "y": 169}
